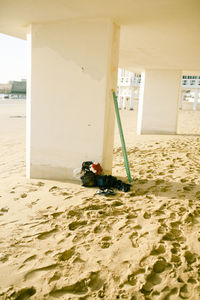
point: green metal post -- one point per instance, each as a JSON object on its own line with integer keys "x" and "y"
{"x": 121, "y": 137}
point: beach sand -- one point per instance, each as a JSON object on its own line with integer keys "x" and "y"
{"x": 62, "y": 241}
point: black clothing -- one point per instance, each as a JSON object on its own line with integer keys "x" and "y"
{"x": 89, "y": 179}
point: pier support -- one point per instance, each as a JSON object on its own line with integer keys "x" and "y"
{"x": 196, "y": 96}
{"x": 181, "y": 99}
{"x": 124, "y": 102}
{"x": 131, "y": 99}
{"x": 119, "y": 99}
{"x": 158, "y": 105}
{"x": 73, "y": 67}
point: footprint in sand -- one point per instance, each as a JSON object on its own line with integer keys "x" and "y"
{"x": 40, "y": 183}
{"x": 147, "y": 215}
{"x": 176, "y": 260}
{"x": 74, "y": 213}
{"x": 98, "y": 229}
{"x": 175, "y": 248}
{"x": 173, "y": 235}
{"x": 24, "y": 195}
{"x": 32, "y": 257}
{"x": 105, "y": 242}
{"x": 158, "y": 250}
{"x": 132, "y": 278}
{"x": 137, "y": 227}
{"x": 3, "y": 257}
{"x": 34, "y": 202}
{"x": 175, "y": 224}
{"x": 161, "y": 229}
{"x": 190, "y": 257}
{"x": 91, "y": 283}
{"x": 191, "y": 219}
{"x": 160, "y": 266}
{"x": 23, "y": 294}
{"x": 38, "y": 272}
{"x": 154, "y": 277}
{"x": 56, "y": 276}
{"x": 46, "y": 234}
{"x": 133, "y": 239}
{"x": 3, "y": 210}
{"x": 172, "y": 215}
{"x": 65, "y": 194}
{"x": 66, "y": 255}
{"x": 74, "y": 225}
{"x": 173, "y": 291}
{"x": 151, "y": 280}
{"x": 187, "y": 188}
{"x": 184, "y": 293}
{"x": 117, "y": 203}
{"x": 54, "y": 190}
{"x": 192, "y": 280}
{"x": 56, "y": 214}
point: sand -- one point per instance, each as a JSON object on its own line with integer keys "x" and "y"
{"x": 62, "y": 241}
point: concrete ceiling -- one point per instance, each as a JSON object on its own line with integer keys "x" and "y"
{"x": 154, "y": 33}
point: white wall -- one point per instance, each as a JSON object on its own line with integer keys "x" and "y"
{"x": 159, "y": 98}
{"x": 71, "y": 115}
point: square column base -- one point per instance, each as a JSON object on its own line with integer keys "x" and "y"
{"x": 73, "y": 68}
{"x": 159, "y": 99}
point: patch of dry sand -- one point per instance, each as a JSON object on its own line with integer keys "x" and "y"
{"x": 62, "y": 241}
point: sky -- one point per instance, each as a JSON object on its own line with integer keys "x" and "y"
{"x": 12, "y": 58}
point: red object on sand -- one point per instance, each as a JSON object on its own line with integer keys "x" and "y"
{"x": 96, "y": 168}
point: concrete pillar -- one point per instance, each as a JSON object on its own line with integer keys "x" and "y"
{"x": 124, "y": 102}
{"x": 181, "y": 99}
{"x": 158, "y": 105}
{"x": 131, "y": 99}
{"x": 120, "y": 102}
{"x": 73, "y": 67}
{"x": 196, "y": 96}
{"x": 119, "y": 98}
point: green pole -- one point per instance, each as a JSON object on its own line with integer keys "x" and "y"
{"x": 121, "y": 137}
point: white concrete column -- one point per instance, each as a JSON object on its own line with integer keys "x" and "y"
{"x": 196, "y": 96}
{"x": 159, "y": 98}
{"x": 120, "y": 102}
{"x": 73, "y": 67}
{"x": 131, "y": 99}
{"x": 119, "y": 98}
{"x": 124, "y": 102}
{"x": 181, "y": 99}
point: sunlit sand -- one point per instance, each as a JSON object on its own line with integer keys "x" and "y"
{"x": 62, "y": 241}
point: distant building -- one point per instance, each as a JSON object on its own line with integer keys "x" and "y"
{"x": 189, "y": 82}
{"x": 190, "y": 89}
{"x": 129, "y": 84}
{"x": 15, "y": 89}
{"x": 18, "y": 87}
{"x": 5, "y": 88}
{"x": 127, "y": 88}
